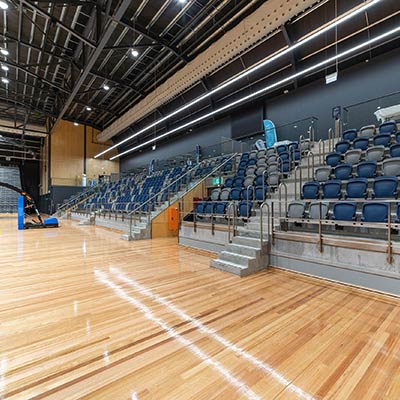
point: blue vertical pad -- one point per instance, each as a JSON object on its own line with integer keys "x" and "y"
{"x": 21, "y": 213}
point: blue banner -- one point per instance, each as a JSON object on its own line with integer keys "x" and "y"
{"x": 270, "y": 133}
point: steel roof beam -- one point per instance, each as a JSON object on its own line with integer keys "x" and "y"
{"x": 113, "y": 23}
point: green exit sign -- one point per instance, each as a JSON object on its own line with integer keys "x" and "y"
{"x": 217, "y": 181}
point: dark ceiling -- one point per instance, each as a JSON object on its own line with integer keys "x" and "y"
{"x": 51, "y": 44}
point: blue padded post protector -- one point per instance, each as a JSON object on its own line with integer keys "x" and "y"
{"x": 21, "y": 213}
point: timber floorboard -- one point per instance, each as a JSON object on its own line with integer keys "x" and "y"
{"x": 85, "y": 315}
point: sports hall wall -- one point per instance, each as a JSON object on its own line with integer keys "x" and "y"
{"x": 69, "y": 157}
{"x": 364, "y": 81}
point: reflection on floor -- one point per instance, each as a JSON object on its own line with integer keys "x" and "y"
{"x": 85, "y": 315}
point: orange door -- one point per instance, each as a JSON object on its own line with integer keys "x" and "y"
{"x": 172, "y": 219}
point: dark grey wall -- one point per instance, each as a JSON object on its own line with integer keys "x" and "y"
{"x": 204, "y": 136}
{"x": 379, "y": 77}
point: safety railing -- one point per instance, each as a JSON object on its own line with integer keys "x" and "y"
{"x": 390, "y": 224}
{"x": 169, "y": 190}
{"x": 269, "y": 223}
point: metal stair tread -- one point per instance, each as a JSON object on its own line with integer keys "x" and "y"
{"x": 237, "y": 255}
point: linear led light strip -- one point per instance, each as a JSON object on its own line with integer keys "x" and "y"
{"x": 263, "y": 90}
{"x": 249, "y": 71}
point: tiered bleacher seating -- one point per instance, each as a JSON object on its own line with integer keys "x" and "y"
{"x": 143, "y": 192}
{"x": 358, "y": 177}
{"x": 258, "y": 172}
{"x": 9, "y": 198}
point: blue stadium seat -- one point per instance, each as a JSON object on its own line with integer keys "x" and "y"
{"x": 241, "y": 172}
{"x": 244, "y": 193}
{"x": 398, "y": 213}
{"x": 259, "y": 194}
{"x": 375, "y": 212}
{"x": 209, "y": 208}
{"x": 361, "y": 143}
{"x": 281, "y": 148}
{"x": 236, "y": 193}
{"x": 284, "y": 155}
{"x": 349, "y": 135}
{"x": 366, "y": 169}
{"x": 220, "y": 207}
{"x": 285, "y": 166}
{"x": 200, "y": 208}
{"x": 238, "y": 182}
{"x": 252, "y": 161}
{"x": 398, "y": 137}
{"x": 395, "y": 150}
{"x": 357, "y": 188}
{"x": 385, "y": 187}
{"x": 342, "y": 146}
{"x": 388, "y": 127}
{"x": 344, "y": 211}
{"x": 245, "y": 208}
{"x": 228, "y": 183}
{"x": 331, "y": 189}
{"x": 259, "y": 180}
{"x": 383, "y": 139}
{"x": 343, "y": 171}
{"x": 310, "y": 190}
{"x": 333, "y": 159}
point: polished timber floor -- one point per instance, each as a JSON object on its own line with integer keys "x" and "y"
{"x": 85, "y": 315}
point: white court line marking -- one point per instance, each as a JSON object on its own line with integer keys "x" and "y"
{"x": 239, "y": 385}
{"x": 211, "y": 332}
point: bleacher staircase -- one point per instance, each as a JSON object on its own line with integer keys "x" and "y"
{"x": 245, "y": 255}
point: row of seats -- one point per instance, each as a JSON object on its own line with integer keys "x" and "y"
{"x": 220, "y": 209}
{"x": 369, "y": 131}
{"x": 354, "y": 156}
{"x": 382, "y": 187}
{"x": 342, "y": 211}
{"x": 364, "y": 169}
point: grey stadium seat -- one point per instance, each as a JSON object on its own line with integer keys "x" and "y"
{"x": 353, "y": 156}
{"x": 253, "y": 154}
{"x": 273, "y": 179}
{"x": 251, "y": 170}
{"x": 367, "y": 131}
{"x": 261, "y": 153}
{"x": 315, "y": 207}
{"x": 375, "y": 153}
{"x": 271, "y": 159}
{"x": 261, "y": 161}
{"x": 391, "y": 166}
{"x": 249, "y": 181}
{"x": 215, "y": 194}
{"x": 296, "y": 209}
{"x": 225, "y": 193}
{"x": 270, "y": 152}
{"x": 260, "y": 170}
{"x": 322, "y": 174}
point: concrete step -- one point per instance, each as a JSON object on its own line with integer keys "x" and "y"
{"x": 230, "y": 267}
{"x": 247, "y": 241}
{"x": 248, "y": 262}
{"x": 243, "y": 250}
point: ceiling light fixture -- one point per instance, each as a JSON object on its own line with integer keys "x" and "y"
{"x": 265, "y": 89}
{"x": 249, "y": 71}
{"x": 3, "y": 5}
{"x": 88, "y": 108}
{"x": 134, "y": 53}
{"x": 5, "y": 80}
{"x": 4, "y": 67}
{"x": 76, "y": 124}
{"x": 106, "y": 87}
{"x": 4, "y": 52}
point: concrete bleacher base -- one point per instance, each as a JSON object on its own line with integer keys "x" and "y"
{"x": 367, "y": 268}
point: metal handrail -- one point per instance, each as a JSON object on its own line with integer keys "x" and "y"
{"x": 310, "y": 154}
{"x": 321, "y": 150}
{"x": 298, "y": 168}
{"x": 230, "y": 214}
{"x": 331, "y": 140}
{"x": 265, "y": 205}
{"x": 311, "y": 134}
{"x": 282, "y": 184}
{"x": 263, "y": 182}
{"x": 176, "y": 180}
{"x": 83, "y": 195}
